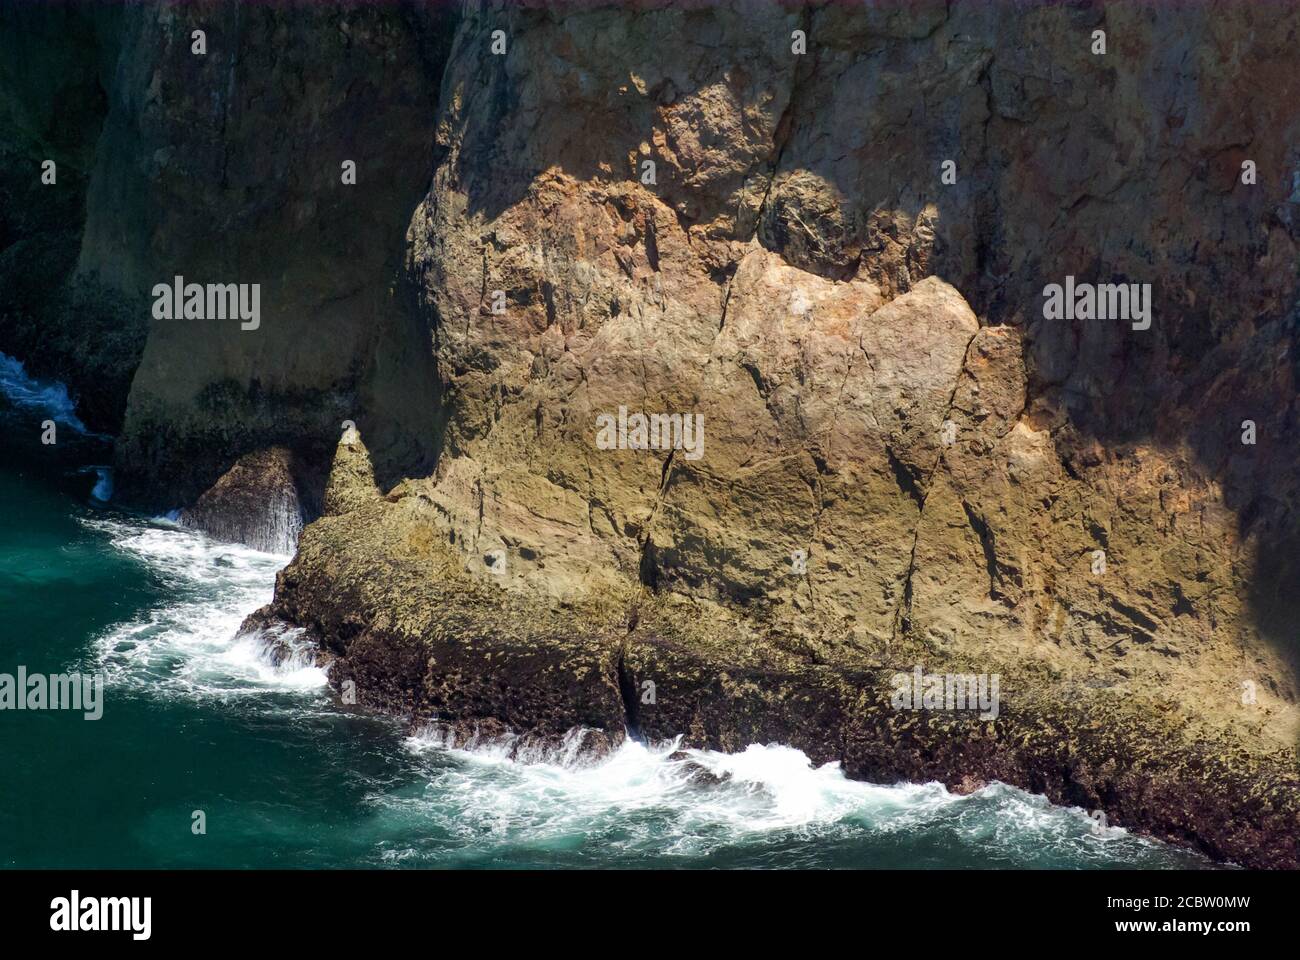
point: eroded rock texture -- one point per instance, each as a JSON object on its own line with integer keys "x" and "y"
{"x": 257, "y": 502}
{"x": 799, "y": 274}
{"x": 226, "y": 167}
{"x": 903, "y": 463}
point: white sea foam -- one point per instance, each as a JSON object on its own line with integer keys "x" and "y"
{"x": 640, "y": 803}
{"x": 47, "y": 396}
{"x": 773, "y": 807}
{"x": 103, "y": 491}
{"x": 191, "y": 645}
{"x": 767, "y": 788}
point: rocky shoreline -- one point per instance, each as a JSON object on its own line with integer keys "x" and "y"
{"x": 827, "y": 256}
{"x": 466, "y": 660}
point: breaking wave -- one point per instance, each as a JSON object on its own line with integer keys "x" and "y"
{"x": 766, "y": 806}
{"x": 192, "y": 644}
{"x": 45, "y": 396}
{"x": 431, "y": 800}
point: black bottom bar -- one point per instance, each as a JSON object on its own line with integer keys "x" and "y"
{"x": 944, "y": 909}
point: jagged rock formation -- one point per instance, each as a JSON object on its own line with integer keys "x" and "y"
{"x": 247, "y": 143}
{"x": 352, "y": 477}
{"x": 903, "y": 462}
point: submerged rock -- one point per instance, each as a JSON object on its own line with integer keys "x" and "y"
{"x": 696, "y": 772}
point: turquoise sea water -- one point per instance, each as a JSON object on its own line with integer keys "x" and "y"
{"x": 196, "y": 718}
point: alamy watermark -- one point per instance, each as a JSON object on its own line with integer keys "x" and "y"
{"x": 654, "y": 431}
{"x": 58, "y": 691}
{"x": 919, "y": 690}
{"x": 1098, "y": 301}
{"x": 179, "y": 300}
{"x": 75, "y": 913}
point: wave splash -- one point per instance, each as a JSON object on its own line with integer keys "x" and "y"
{"x": 48, "y": 396}
{"x": 192, "y": 645}
{"x": 766, "y": 806}
{"x": 644, "y": 805}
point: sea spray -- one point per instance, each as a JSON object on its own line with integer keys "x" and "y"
{"x": 256, "y": 503}
{"x": 335, "y": 788}
{"x": 275, "y": 528}
{"x": 765, "y": 806}
{"x": 193, "y": 646}
{"x": 102, "y": 492}
{"x": 47, "y": 396}
{"x": 272, "y": 527}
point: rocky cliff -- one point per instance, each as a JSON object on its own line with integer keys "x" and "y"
{"x": 227, "y": 166}
{"x": 823, "y": 230}
{"x": 56, "y": 65}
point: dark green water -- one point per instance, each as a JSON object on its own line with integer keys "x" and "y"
{"x": 195, "y": 718}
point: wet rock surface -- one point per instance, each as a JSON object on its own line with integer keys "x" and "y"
{"x": 904, "y": 462}
{"x": 262, "y": 501}
{"x": 696, "y": 772}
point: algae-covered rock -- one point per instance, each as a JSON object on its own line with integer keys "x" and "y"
{"x": 902, "y": 464}
{"x": 816, "y": 280}
{"x": 351, "y": 481}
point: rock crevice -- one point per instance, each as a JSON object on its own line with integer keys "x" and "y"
{"x": 905, "y": 461}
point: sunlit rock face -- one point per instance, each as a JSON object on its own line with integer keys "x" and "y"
{"x": 903, "y": 461}
{"x": 835, "y": 259}
{"x": 799, "y": 273}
